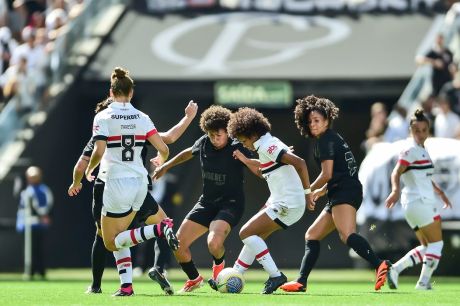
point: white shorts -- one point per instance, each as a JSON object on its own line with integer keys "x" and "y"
{"x": 282, "y": 214}
{"x": 421, "y": 213}
{"x": 123, "y": 195}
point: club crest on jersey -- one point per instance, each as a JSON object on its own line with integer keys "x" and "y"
{"x": 271, "y": 149}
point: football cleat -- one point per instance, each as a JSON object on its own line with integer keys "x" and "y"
{"x": 216, "y": 269}
{"x": 128, "y": 291}
{"x": 160, "y": 278}
{"x": 293, "y": 286}
{"x": 423, "y": 286}
{"x": 166, "y": 226}
{"x": 192, "y": 284}
{"x": 274, "y": 283}
{"x": 381, "y": 274}
{"x": 392, "y": 277}
{"x": 92, "y": 290}
{"x": 213, "y": 284}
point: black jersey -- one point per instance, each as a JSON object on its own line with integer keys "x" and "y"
{"x": 331, "y": 146}
{"x": 88, "y": 150}
{"x": 222, "y": 174}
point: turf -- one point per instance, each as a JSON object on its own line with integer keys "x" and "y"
{"x": 342, "y": 287}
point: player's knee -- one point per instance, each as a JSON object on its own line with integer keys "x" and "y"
{"x": 215, "y": 246}
{"x": 244, "y": 233}
{"x": 311, "y": 235}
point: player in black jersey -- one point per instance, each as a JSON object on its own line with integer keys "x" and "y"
{"x": 339, "y": 180}
{"x": 221, "y": 205}
{"x": 149, "y": 213}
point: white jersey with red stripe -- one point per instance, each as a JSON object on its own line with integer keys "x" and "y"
{"x": 283, "y": 180}
{"x": 418, "y": 174}
{"x": 125, "y": 129}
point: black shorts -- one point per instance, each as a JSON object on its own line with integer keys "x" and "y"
{"x": 149, "y": 206}
{"x": 229, "y": 210}
{"x": 351, "y": 194}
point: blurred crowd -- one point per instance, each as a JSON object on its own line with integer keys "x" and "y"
{"x": 442, "y": 105}
{"x": 28, "y": 31}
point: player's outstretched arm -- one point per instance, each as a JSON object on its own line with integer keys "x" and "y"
{"x": 180, "y": 158}
{"x": 176, "y": 131}
{"x": 96, "y": 156}
{"x": 393, "y": 197}
{"x": 440, "y": 192}
{"x": 252, "y": 164}
{"x": 78, "y": 173}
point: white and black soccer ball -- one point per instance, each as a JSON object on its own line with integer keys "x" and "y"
{"x": 230, "y": 280}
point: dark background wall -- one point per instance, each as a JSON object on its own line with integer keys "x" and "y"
{"x": 59, "y": 142}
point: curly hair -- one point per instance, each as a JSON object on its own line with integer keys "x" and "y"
{"x": 103, "y": 105}
{"x": 215, "y": 118}
{"x": 419, "y": 116}
{"x": 120, "y": 82}
{"x": 248, "y": 122}
{"x": 312, "y": 103}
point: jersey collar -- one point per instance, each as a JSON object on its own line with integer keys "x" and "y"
{"x": 121, "y": 105}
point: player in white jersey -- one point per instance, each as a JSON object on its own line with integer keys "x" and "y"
{"x": 419, "y": 202}
{"x": 289, "y": 184}
{"x": 120, "y": 132}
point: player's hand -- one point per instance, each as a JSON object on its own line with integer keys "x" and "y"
{"x": 318, "y": 193}
{"x": 446, "y": 201}
{"x": 238, "y": 155}
{"x": 191, "y": 109}
{"x": 157, "y": 161}
{"x": 159, "y": 172}
{"x": 310, "y": 202}
{"x": 74, "y": 189}
{"x": 89, "y": 176}
{"x": 392, "y": 199}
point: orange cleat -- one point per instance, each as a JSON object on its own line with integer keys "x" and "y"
{"x": 216, "y": 269}
{"x": 192, "y": 284}
{"x": 293, "y": 287}
{"x": 381, "y": 274}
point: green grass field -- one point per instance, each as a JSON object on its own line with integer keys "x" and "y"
{"x": 326, "y": 287}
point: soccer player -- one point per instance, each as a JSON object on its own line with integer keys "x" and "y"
{"x": 149, "y": 213}
{"x": 221, "y": 205}
{"x": 418, "y": 200}
{"x": 289, "y": 184}
{"x": 339, "y": 180}
{"x": 120, "y": 132}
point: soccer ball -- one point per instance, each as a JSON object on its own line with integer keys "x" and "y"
{"x": 230, "y": 280}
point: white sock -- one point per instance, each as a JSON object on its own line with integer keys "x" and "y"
{"x": 412, "y": 258}
{"x": 124, "y": 265}
{"x": 430, "y": 261}
{"x": 245, "y": 259}
{"x": 258, "y": 246}
{"x": 138, "y": 235}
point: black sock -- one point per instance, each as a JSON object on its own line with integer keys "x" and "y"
{"x": 309, "y": 260}
{"x": 126, "y": 285}
{"x": 98, "y": 255}
{"x": 189, "y": 269}
{"x": 162, "y": 254}
{"x": 218, "y": 261}
{"x": 363, "y": 249}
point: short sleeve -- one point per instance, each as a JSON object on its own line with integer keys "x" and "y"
{"x": 239, "y": 146}
{"x": 198, "y": 145}
{"x": 150, "y": 127}
{"x": 273, "y": 152}
{"x": 326, "y": 148}
{"x": 406, "y": 157}
{"x": 100, "y": 128}
{"x": 88, "y": 150}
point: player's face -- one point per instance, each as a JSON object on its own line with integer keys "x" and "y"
{"x": 317, "y": 123}
{"x": 218, "y": 138}
{"x": 420, "y": 131}
{"x": 247, "y": 142}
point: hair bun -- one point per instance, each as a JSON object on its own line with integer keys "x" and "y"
{"x": 120, "y": 72}
{"x": 419, "y": 114}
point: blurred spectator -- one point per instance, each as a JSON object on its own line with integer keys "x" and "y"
{"x": 39, "y": 199}
{"x": 446, "y": 122}
{"x": 7, "y": 46}
{"x": 377, "y": 126}
{"x": 398, "y": 126}
{"x": 27, "y": 8}
{"x": 3, "y": 13}
{"x": 451, "y": 90}
{"x": 441, "y": 59}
